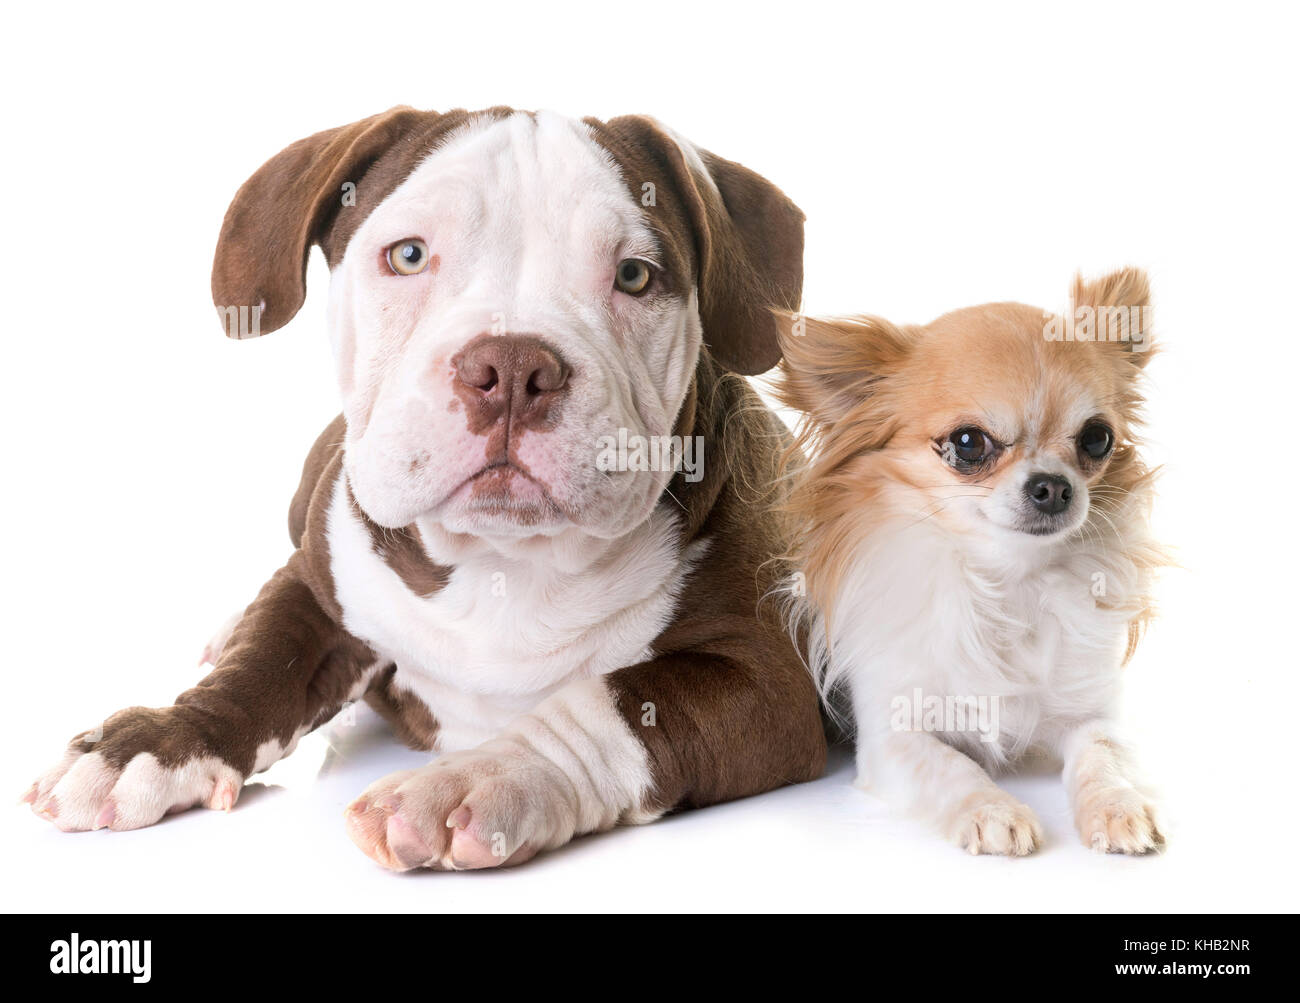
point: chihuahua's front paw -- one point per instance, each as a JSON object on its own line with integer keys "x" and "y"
{"x": 1117, "y": 820}
{"x": 486, "y": 807}
{"x": 995, "y": 822}
{"x": 140, "y": 765}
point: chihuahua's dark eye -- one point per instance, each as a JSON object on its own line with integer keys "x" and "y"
{"x": 969, "y": 446}
{"x": 1096, "y": 440}
{"x": 632, "y": 276}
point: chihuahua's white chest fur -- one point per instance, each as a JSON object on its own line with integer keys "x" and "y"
{"x": 958, "y": 657}
{"x": 997, "y": 653}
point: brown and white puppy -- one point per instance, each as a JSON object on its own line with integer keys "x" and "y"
{"x": 517, "y": 302}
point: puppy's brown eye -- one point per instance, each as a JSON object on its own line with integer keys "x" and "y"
{"x": 1096, "y": 440}
{"x": 410, "y": 257}
{"x": 968, "y": 447}
{"x": 632, "y": 276}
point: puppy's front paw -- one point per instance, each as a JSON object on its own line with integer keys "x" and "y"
{"x": 1117, "y": 820}
{"x": 141, "y": 765}
{"x": 487, "y": 807}
{"x": 995, "y": 822}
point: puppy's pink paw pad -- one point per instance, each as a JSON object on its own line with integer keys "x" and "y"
{"x": 367, "y": 827}
{"x": 224, "y": 795}
{"x": 466, "y": 811}
{"x": 468, "y": 850}
{"x": 106, "y": 817}
{"x": 405, "y": 843}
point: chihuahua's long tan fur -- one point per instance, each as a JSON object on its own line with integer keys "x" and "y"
{"x": 973, "y": 530}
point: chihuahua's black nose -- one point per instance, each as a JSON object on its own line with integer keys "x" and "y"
{"x": 1050, "y": 493}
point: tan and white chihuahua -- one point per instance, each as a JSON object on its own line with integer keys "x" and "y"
{"x": 972, "y": 527}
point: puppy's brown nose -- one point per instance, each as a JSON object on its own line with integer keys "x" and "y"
{"x": 517, "y": 378}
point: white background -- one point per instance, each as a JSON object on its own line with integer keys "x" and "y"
{"x": 945, "y": 155}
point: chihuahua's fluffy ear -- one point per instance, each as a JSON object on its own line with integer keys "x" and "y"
{"x": 833, "y": 364}
{"x": 1118, "y": 306}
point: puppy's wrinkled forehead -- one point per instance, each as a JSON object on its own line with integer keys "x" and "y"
{"x": 539, "y": 181}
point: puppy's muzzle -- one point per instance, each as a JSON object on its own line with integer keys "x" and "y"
{"x": 515, "y": 380}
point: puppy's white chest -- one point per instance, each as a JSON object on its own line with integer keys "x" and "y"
{"x": 504, "y": 633}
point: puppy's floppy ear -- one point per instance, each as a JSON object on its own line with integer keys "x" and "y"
{"x": 748, "y": 238}
{"x": 287, "y": 206}
{"x": 751, "y": 260}
{"x": 1121, "y": 311}
{"x": 832, "y": 364}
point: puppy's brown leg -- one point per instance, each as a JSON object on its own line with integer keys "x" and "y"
{"x": 286, "y": 669}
